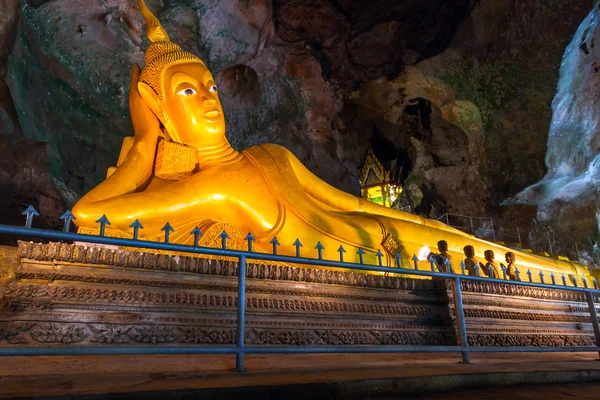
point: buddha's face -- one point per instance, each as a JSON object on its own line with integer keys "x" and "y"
{"x": 192, "y": 105}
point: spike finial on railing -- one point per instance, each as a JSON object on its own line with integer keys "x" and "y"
{"x": 595, "y": 283}
{"x": 564, "y": 279}
{"x": 504, "y": 270}
{"x": 463, "y": 267}
{"x": 224, "y": 236}
{"x": 30, "y": 212}
{"x": 197, "y": 233}
{"x": 518, "y": 274}
{"x": 379, "y": 255}
{"x": 361, "y": 256}
{"x": 574, "y": 281}
{"x": 491, "y": 271}
{"x": 477, "y": 269}
{"x": 553, "y": 278}
{"x": 341, "y": 250}
{"x": 103, "y": 221}
{"x": 297, "y": 245}
{"x": 67, "y": 217}
{"x": 584, "y": 280}
{"x": 319, "y": 248}
{"x": 542, "y": 277}
{"x": 275, "y": 243}
{"x": 530, "y": 275}
{"x": 168, "y": 230}
{"x": 448, "y": 265}
{"x": 415, "y": 261}
{"x": 249, "y": 238}
{"x": 431, "y": 263}
{"x": 136, "y": 225}
{"x": 398, "y": 260}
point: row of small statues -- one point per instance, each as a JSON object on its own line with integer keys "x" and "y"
{"x": 443, "y": 261}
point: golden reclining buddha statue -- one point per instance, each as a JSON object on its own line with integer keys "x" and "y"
{"x": 180, "y": 168}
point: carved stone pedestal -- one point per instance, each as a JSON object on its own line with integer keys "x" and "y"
{"x": 68, "y": 294}
{"x": 499, "y": 314}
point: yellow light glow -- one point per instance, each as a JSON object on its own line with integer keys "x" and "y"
{"x": 423, "y": 253}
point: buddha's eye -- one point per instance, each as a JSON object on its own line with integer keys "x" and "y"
{"x": 212, "y": 89}
{"x": 186, "y": 92}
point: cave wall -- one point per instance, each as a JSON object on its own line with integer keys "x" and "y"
{"x": 567, "y": 197}
{"x": 69, "y": 68}
{"x": 505, "y": 58}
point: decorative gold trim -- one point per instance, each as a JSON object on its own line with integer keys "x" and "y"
{"x": 392, "y": 245}
{"x": 175, "y": 161}
{"x": 373, "y": 164}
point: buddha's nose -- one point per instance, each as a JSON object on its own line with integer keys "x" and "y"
{"x": 210, "y": 103}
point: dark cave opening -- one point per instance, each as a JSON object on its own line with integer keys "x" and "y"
{"x": 421, "y": 108}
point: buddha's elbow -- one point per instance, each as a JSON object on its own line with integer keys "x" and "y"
{"x": 85, "y": 215}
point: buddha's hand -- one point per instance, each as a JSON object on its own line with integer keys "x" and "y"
{"x": 145, "y": 124}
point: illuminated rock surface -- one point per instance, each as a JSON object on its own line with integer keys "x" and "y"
{"x": 568, "y": 195}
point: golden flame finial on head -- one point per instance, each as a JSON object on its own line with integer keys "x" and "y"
{"x": 161, "y": 53}
{"x": 154, "y": 30}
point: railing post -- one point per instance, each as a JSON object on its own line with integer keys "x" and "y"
{"x": 239, "y": 357}
{"x": 594, "y": 316}
{"x": 460, "y": 320}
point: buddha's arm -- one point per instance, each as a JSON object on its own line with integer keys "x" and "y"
{"x": 136, "y": 170}
{"x": 178, "y": 203}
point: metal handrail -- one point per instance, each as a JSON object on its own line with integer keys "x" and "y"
{"x": 241, "y": 349}
{"x": 471, "y": 218}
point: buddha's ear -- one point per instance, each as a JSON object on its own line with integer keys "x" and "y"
{"x": 150, "y": 98}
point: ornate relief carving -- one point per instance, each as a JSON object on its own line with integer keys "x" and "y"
{"x": 52, "y": 275}
{"x": 522, "y": 291}
{"x": 59, "y": 333}
{"x": 526, "y": 316}
{"x": 512, "y": 303}
{"x": 110, "y": 334}
{"x": 101, "y": 296}
{"x": 65, "y": 333}
{"x": 529, "y": 340}
{"x": 11, "y": 333}
{"x": 141, "y": 297}
{"x": 61, "y": 252}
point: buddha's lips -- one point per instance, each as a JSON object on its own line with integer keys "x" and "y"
{"x": 211, "y": 114}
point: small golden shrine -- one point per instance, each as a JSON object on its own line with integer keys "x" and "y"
{"x": 375, "y": 183}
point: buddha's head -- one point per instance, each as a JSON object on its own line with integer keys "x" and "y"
{"x": 489, "y": 255}
{"x": 180, "y": 90}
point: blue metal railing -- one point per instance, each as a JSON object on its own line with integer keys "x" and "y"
{"x": 240, "y": 349}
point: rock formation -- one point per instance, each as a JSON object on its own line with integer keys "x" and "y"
{"x": 568, "y": 200}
